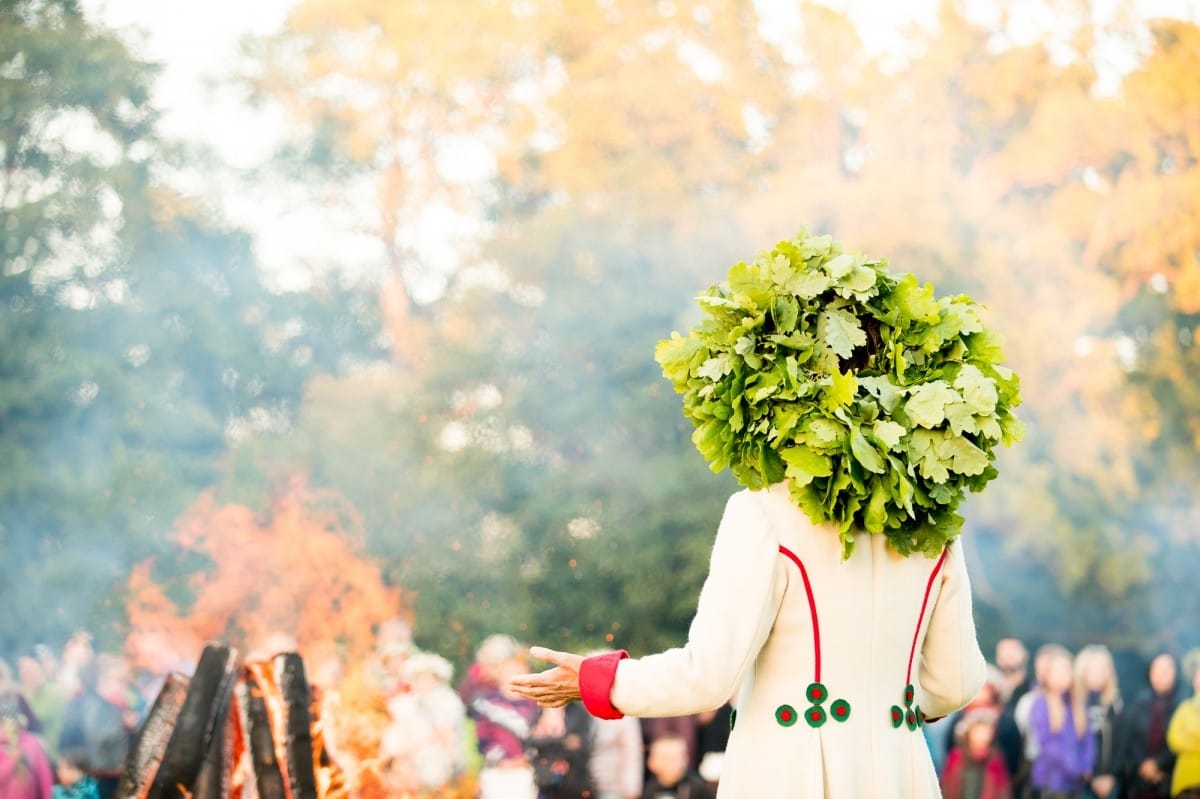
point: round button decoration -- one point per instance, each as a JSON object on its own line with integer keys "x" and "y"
{"x": 815, "y": 716}
{"x": 786, "y": 715}
{"x": 840, "y": 710}
{"x": 909, "y": 695}
{"x": 910, "y": 719}
{"x": 816, "y": 693}
{"x": 897, "y": 716}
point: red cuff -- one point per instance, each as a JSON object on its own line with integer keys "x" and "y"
{"x": 596, "y": 676}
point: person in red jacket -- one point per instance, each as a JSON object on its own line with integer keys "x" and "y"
{"x": 975, "y": 768}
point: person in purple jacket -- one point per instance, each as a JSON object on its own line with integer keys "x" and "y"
{"x": 1065, "y": 747}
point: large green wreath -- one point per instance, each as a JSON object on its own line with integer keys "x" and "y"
{"x": 879, "y": 402}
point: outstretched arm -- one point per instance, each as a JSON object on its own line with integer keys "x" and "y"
{"x": 737, "y": 608}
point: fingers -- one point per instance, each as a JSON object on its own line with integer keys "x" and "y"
{"x": 564, "y": 659}
{"x": 548, "y": 677}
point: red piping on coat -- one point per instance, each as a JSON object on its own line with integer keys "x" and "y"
{"x": 812, "y": 607}
{"x": 924, "y": 602}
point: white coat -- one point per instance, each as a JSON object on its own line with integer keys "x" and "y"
{"x": 779, "y": 604}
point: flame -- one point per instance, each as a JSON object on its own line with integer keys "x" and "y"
{"x": 296, "y": 570}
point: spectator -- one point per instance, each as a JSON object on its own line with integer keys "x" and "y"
{"x": 1012, "y": 660}
{"x": 670, "y": 774}
{"x": 1183, "y": 735}
{"x": 1147, "y": 762}
{"x": 73, "y": 780}
{"x": 712, "y": 736}
{"x": 24, "y": 767}
{"x": 96, "y": 726}
{"x": 77, "y": 652}
{"x": 975, "y": 767}
{"x": 561, "y": 747}
{"x": 1065, "y": 748}
{"x": 46, "y": 699}
{"x": 686, "y": 727}
{"x": 1097, "y": 696}
{"x": 988, "y": 699}
{"x": 618, "y": 760}
{"x": 427, "y": 723}
{"x": 1022, "y": 713}
{"x": 10, "y": 691}
{"x": 503, "y": 722}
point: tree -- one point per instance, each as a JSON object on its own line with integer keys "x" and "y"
{"x": 138, "y": 337}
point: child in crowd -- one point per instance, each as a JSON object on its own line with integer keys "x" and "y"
{"x": 670, "y": 776}
{"x": 975, "y": 768}
{"x": 73, "y": 779}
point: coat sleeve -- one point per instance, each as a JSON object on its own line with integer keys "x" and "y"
{"x": 952, "y": 668}
{"x": 736, "y": 611}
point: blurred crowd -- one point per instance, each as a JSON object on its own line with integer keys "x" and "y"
{"x": 1061, "y": 728}
{"x": 1054, "y": 725}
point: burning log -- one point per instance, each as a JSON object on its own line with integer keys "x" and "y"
{"x": 146, "y": 754}
{"x": 212, "y": 735}
{"x": 268, "y": 776}
{"x": 297, "y": 725}
{"x": 216, "y": 779}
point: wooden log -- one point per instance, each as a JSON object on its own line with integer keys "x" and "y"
{"x": 196, "y": 726}
{"x": 268, "y": 778}
{"x": 297, "y": 725}
{"x": 216, "y": 778}
{"x": 147, "y": 751}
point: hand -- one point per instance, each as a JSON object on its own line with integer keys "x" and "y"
{"x": 1149, "y": 771}
{"x": 554, "y": 687}
{"x": 1103, "y": 785}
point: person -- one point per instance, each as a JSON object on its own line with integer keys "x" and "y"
{"x": 617, "y": 759}
{"x": 504, "y": 721}
{"x": 1012, "y": 660}
{"x": 877, "y": 611}
{"x": 1064, "y": 745}
{"x": 686, "y": 727}
{"x": 46, "y": 699}
{"x": 1022, "y": 717}
{"x": 560, "y": 748}
{"x": 12, "y": 691}
{"x": 1183, "y": 735}
{"x": 712, "y": 739}
{"x": 24, "y": 767}
{"x": 1097, "y": 696}
{"x": 74, "y": 782}
{"x": 427, "y": 724}
{"x": 975, "y": 767}
{"x": 1146, "y": 761}
{"x": 670, "y": 774}
{"x": 988, "y": 698}
{"x": 839, "y": 614}
{"x": 96, "y": 726}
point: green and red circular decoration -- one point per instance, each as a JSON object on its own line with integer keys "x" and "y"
{"x": 897, "y": 716}
{"x": 817, "y": 693}
{"x": 840, "y": 710}
{"x": 815, "y": 716}
{"x": 786, "y": 715}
